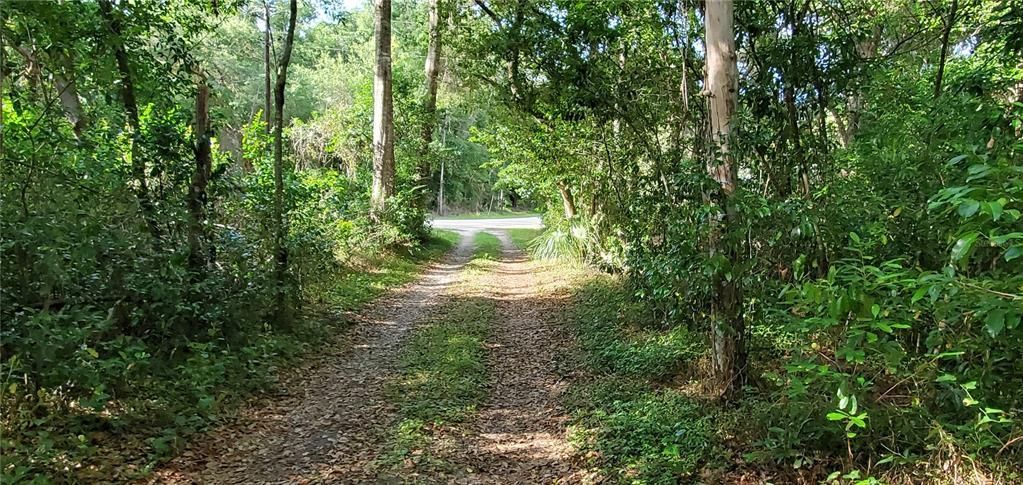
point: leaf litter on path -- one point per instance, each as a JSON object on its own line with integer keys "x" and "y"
{"x": 331, "y": 425}
{"x": 328, "y": 426}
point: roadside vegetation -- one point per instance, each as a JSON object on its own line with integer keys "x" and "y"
{"x": 161, "y": 400}
{"x": 837, "y": 236}
{"x": 522, "y": 238}
{"x": 631, "y": 419}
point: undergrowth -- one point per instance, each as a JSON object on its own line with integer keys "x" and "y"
{"x": 164, "y": 399}
{"x": 642, "y": 417}
{"x": 625, "y": 421}
{"x": 522, "y": 237}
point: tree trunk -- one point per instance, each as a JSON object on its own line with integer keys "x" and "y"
{"x": 383, "y": 114}
{"x": 728, "y": 333}
{"x": 432, "y": 69}
{"x": 200, "y": 178}
{"x": 949, "y": 24}
{"x": 267, "y": 94}
{"x": 567, "y": 200}
{"x": 131, "y": 110}
{"x": 63, "y": 84}
{"x": 440, "y": 194}
{"x": 792, "y": 120}
{"x": 280, "y": 226}
{"x": 792, "y": 112}
{"x": 866, "y": 49}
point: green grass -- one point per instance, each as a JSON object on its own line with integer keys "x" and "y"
{"x": 615, "y": 341}
{"x": 488, "y": 246}
{"x": 443, "y": 374}
{"x": 388, "y": 270}
{"x": 624, "y": 420}
{"x": 523, "y": 237}
{"x": 491, "y": 215}
{"x": 443, "y": 378}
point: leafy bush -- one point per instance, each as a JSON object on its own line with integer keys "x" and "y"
{"x": 644, "y": 436}
{"x": 628, "y": 427}
{"x": 610, "y": 331}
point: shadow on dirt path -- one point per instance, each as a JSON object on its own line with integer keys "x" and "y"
{"x": 335, "y": 425}
{"x": 519, "y": 435}
{"x": 329, "y": 429}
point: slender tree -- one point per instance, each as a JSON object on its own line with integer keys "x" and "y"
{"x": 728, "y": 334}
{"x": 383, "y": 113}
{"x": 131, "y": 110}
{"x": 790, "y": 80}
{"x": 949, "y": 24}
{"x": 200, "y": 176}
{"x": 567, "y": 199}
{"x": 267, "y": 94}
{"x": 432, "y": 69}
{"x": 280, "y": 225}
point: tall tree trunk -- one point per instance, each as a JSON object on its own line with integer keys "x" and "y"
{"x": 567, "y": 199}
{"x": 791, "y": 80}
{"x": 440, "y": 187}
{"x": 728, "y": 333}
{"x": 866, "y": 49}
{"x": 64, "y": 82}
{"x": 131, "y": 110}
{"x": 267, "y": 94}
{"x": 440, "y": 192}
{"x": 432, "y": 69}
{"x": 200, "y": 177}
{"x": 949, "y": 24}
{"x": 383, "y": 114}
{"x": 280, "y": 225}
{"x": 792, "y": 120}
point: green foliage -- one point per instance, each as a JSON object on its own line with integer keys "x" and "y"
{"x": 128, "y": 390}
{"x": 645, "y": 437}
{"x": 630, "y": 429}
{"x": 558, "y": 242}
{"x": 133, "y": 320}
{"x": 873, "y": 240}
{"x": 523, "y": 237}
{"x": 611, "y": 331}
{"x": 488, "y": 246}
{"x": 443, "y": 374}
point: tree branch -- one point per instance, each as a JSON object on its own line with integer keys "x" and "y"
{"x": 490, "y": 13}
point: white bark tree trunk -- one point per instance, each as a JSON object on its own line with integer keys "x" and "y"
{"x": 383, "y": 113}
{"x": 728, "y": 332}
